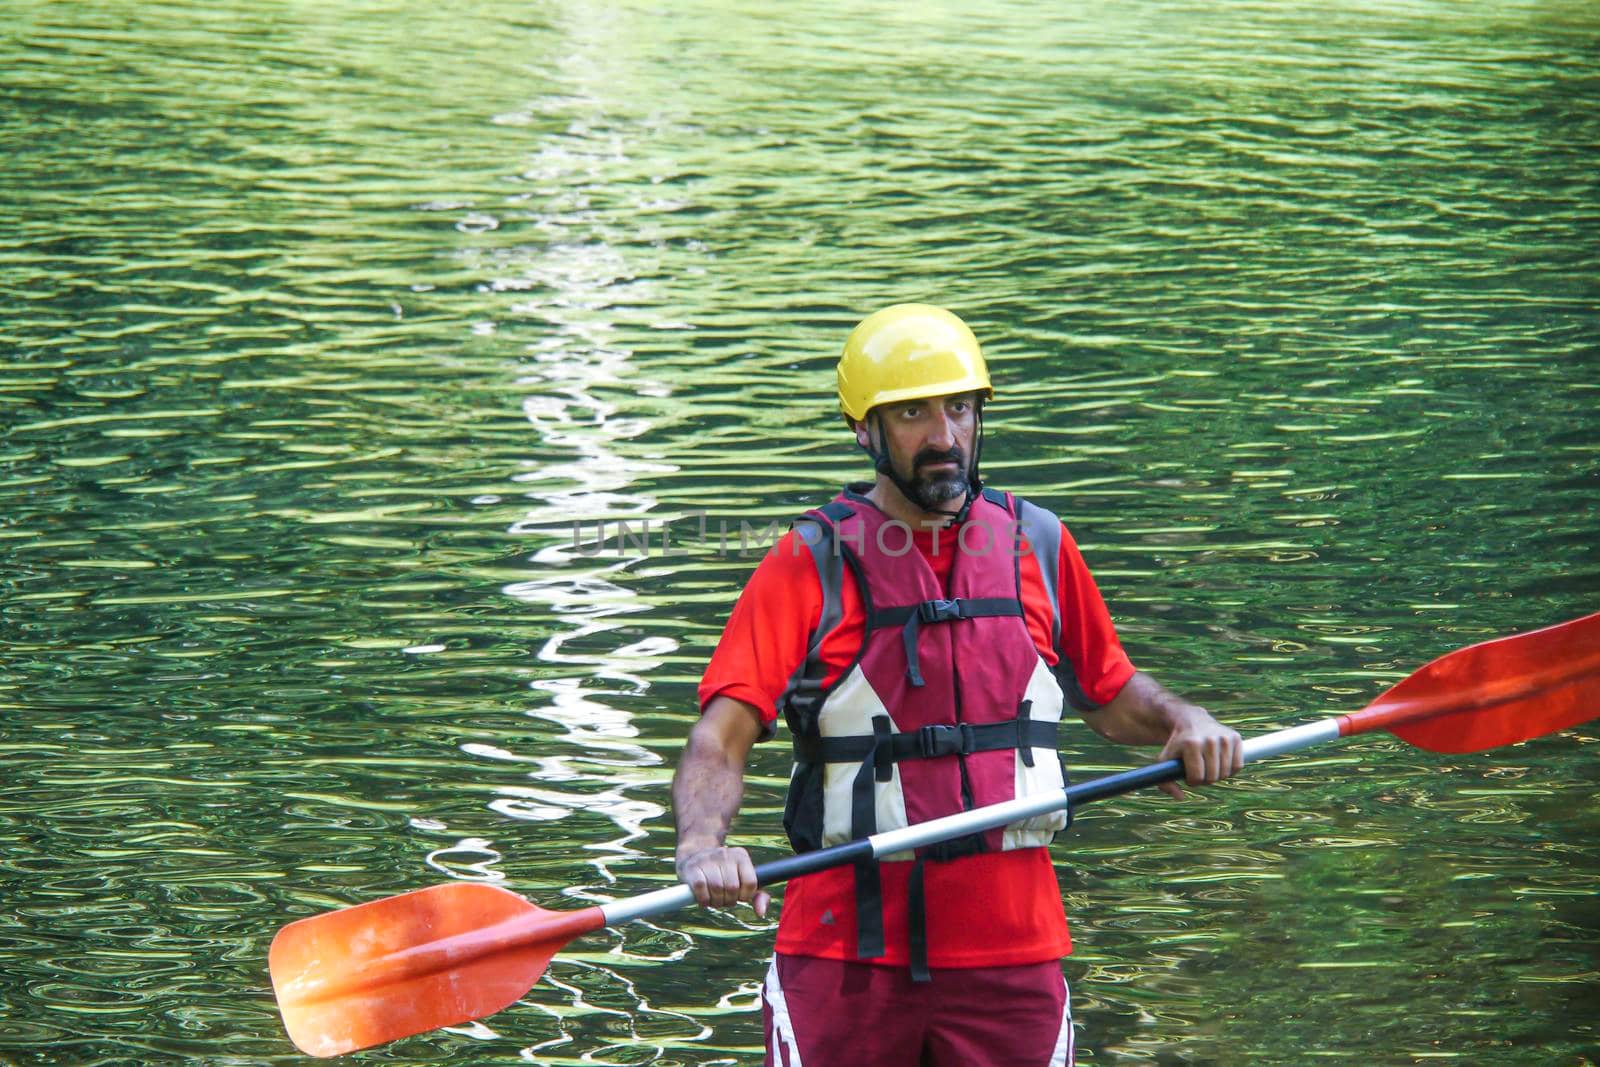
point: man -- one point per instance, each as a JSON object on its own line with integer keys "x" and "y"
{"x": 921, "y": 636}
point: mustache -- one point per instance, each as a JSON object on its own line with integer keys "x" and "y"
{"x": 933, "y": 455}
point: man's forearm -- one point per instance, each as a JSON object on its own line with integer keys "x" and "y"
{"x": 705, "y": 796}
{"x": 706, "y": 792}
{"x": 1146, "y": 714}
{"x": 1143, "y": 713}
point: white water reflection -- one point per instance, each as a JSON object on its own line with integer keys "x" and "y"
{"x": 579, "y": 283}
{"x": 580, "y": 287}
{"x": 471, "y": 859}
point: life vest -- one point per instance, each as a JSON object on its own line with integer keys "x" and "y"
{"x": 947, "y": 704}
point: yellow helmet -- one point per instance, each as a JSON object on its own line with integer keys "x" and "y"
{"x": 906, "y": 352}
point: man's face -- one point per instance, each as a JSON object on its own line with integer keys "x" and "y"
{"x": 929, "y": 443}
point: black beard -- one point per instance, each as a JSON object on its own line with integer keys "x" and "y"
{"x": 928, "y": 491}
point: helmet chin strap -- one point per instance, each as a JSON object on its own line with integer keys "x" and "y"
{"x": 885, "y": 466}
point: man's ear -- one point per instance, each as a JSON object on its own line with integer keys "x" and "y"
{"x": 863, "y": 435}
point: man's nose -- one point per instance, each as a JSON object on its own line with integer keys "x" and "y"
{"x": 942, "y": 433}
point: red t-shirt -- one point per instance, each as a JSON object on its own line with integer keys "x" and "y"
{"x": 1013, "y": 896}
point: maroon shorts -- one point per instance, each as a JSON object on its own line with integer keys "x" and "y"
{"x": 831, "y": 1013}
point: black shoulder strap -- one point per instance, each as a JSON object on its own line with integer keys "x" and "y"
{"x": 1043, "y": 531}
{"x": 836, "y": 510}
{"x": 803, "y": 694}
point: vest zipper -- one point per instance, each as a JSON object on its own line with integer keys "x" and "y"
{"x": 961, "y": 760}
{"x": 955, "y": 684}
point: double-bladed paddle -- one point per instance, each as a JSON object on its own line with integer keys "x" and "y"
{"x": 451, "y": 953}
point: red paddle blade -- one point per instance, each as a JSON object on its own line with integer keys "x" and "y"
{"x": 437, "y": 957}
{"x": 1495, "y": 693}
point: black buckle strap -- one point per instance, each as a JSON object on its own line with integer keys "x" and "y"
{"x": 917, "y": 924}
{"x": 982, "y": 607}
{"x": 927, "y": 611}
{"x": 957, "y": 740}
{"x": 912, "y": 616}
{"x": 878, "y": 765}
{"x": 869, "y": 911}
{"x": 1024, "y": 711}
{"x": 879, "y": 749}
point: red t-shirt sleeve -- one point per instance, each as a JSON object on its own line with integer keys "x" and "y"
{"x": 766, "y": 637}
{"x": 1088, "y": 640}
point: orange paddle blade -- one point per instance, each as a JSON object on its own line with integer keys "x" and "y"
{"x": 1495, "y": 693}
{"x": 437, "y": 957}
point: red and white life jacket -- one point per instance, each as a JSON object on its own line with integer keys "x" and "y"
{"x": 948, "y": 704}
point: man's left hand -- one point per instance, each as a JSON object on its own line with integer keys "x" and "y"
{"x": 1210, "y": 751}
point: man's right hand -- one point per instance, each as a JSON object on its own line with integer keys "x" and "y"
{"x": 721, "y": 877}
{"x": 705, "y": 795}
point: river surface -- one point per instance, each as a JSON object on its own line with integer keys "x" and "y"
{"x": 322, "y": 325}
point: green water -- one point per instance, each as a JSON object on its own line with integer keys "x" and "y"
{"x": 321, "y": 324}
